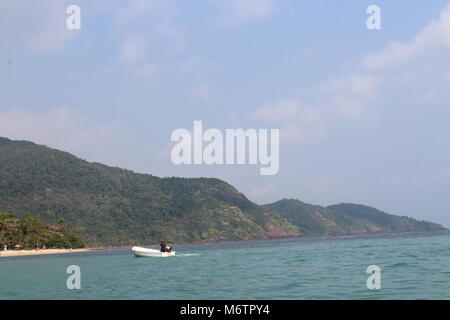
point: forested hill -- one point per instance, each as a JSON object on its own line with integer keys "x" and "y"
{"x": 345, "y": 219}
{"x": 114, "y": 206}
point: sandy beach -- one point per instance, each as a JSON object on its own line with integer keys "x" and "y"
{"x": 18, "y": 253}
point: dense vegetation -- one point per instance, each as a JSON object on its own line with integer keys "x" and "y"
{"x": 386, "y": 221}
{"x": 30, "y": 232}
{"x": 113, "y": 206}
{"x": 345, "y": 219}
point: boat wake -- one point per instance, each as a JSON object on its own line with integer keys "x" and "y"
{"x": 188, "y": 255}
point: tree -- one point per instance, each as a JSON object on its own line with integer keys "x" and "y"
{"x": 9, "y": 230}
{"x": 32, "y": 228}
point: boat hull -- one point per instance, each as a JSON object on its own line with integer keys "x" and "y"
{"x": 151, "y": 253}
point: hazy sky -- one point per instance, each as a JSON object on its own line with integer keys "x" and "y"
{"x": 363, "y": 115}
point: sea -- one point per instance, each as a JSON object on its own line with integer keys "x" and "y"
{"x": 407, "y": 266}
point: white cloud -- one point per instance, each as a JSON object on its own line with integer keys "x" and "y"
{"x": 412, "y": 72}
{"x": 237, "y": 12}
{"x": 292, "y": 133}
{"x": 144, "y": 9}
{"x": 430, "y": 41}
{"x": 310, "y": 113}
{"x": 287, "y": 110}
{"x": 155, "y": 18}
{"x": 349, "y": 96}
{"x": 48, "y": 31}
{"x": 59, "y": 128}
{"x": 51, "y": 39}
{"x": 150, "y": 28}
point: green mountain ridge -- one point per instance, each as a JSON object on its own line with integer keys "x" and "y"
{"x": 345, "y": 219}
{"x": 114, "y": 206}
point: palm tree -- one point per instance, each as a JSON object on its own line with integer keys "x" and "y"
{"x": 32, "y": 228}
{"x": 9, "y": 230}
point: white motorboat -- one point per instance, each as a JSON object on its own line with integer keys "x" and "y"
{"x": 146, "y": 252}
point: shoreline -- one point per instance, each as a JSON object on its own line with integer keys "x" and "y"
{"x": 34, "y": 252}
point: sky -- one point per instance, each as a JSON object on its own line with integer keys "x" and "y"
{"x": 363, "y": 114}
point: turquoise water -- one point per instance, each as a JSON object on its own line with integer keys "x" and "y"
{"x": 412, "y": 267}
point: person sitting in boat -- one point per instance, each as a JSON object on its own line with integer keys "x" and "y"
{"x": 163, "y": 246}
